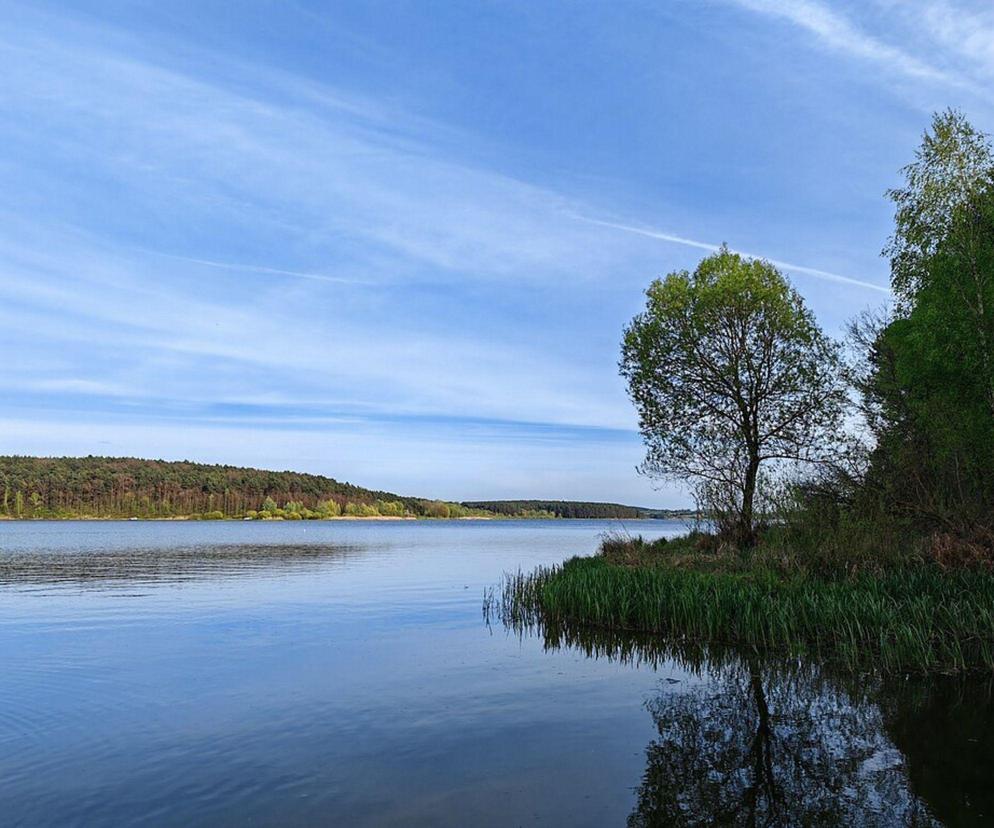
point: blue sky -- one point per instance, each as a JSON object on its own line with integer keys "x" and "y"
{"x": 396, "y": 242}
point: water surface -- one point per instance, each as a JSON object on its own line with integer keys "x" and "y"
{"x": 341, "y": 673}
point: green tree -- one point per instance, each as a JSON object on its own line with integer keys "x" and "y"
{"x": 729, "y": 371}
{"x": 390, "y": 508}
{"x": 953, "y": 163}
{"x": 437, "y": 509}
{"x": 361, "y": 510}
{"x": 928, "y": 379}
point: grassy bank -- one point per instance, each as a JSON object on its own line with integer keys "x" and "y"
{"x": 917, "y": 618}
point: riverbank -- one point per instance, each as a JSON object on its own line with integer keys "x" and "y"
{"x": 916, "y": 618}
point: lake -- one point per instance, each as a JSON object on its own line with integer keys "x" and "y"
{"x": 342, "y": 673}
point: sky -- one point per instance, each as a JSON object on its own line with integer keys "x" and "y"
{"x": 397, "y": 242}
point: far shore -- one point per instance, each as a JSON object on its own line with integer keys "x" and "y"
{"x": 224, "y": 520}
{"x": 323, "y": 520}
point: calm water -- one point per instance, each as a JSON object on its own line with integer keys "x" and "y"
{"x": 342, "y": 674}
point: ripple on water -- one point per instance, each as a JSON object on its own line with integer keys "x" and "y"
{"x": 37, "y": 570}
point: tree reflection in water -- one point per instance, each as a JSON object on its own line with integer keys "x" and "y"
{"x": 945, "y": 728}
{"x": 767, "y": 743}
{"x": 762, "y": 746}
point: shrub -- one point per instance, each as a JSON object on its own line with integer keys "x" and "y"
{"x": 390, "y": 508}
{"x": 437, "y": 509}
{"x": 361, "y": 510}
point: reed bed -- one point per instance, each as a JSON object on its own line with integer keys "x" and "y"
{"x": 920, "y": 619}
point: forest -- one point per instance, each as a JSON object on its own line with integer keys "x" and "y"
{"x": 571, "y": 509}
{"x": 128, "y": 487}
{"x": 124, "y": 487}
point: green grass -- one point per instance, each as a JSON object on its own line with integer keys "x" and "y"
{"x": 915, "y": 619}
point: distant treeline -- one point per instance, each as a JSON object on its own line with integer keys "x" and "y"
{"x": 125, "y": 487}
{"x": 566, "y": 509}
{"x": 56, "y": 487}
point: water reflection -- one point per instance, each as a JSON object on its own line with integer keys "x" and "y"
{"x": 751, "y": 741}
{"x": 108, "y": 568}
{"x": 945, "y": 728}
{"x": 762, "y": 746}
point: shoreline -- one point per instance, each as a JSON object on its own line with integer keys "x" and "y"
{"x": 903, "y": 619}
{"x": 188, "y": 518}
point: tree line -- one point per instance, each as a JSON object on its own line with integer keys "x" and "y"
{"x": 131, "y": 487}
{"x": 125, "y": 487}
{"x": 561, "y": 509}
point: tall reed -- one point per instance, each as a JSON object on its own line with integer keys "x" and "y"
{"x": 919, "y": 619}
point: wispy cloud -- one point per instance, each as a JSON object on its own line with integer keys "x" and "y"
{"x": 839, "y": 32}
{"x": 271, "y": 271}
{"x": 960, "y": 31}
{"x": 326, "y": 177}
{"x": 794, "y": 268}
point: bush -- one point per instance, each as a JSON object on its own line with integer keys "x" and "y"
{"x": 390, "y": 508}
{"x": 437, "y": 509}
{"x": 361, "y": 510}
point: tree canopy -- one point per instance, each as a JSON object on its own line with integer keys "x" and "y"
{"x": 928, "y": 390}
{"x": 954, "y": 163}
{"x": 132, "y": 487}
{"x": 729, "y": 371}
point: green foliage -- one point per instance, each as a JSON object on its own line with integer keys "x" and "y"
{"x": 129, "y": 487}
{"x": 328, "y": 509}
{"x": 559, "y": 509}
{"x": 390, "y": 508}
{"x": 125, "y": 487}
{"x": 361, "y": 510}
{"x": 729, "y": 371}
{"x": 927, "y": 383}
{"x": 953, "y": 163}
{"x": 911, "y": 619}
{"x": 437, "y": 509}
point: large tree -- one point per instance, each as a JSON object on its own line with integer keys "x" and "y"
{"x": 928, "y": 387}
{"x": 729, "y": 371}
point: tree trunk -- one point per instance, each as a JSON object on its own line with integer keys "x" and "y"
{"x": 746, "y": 530}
